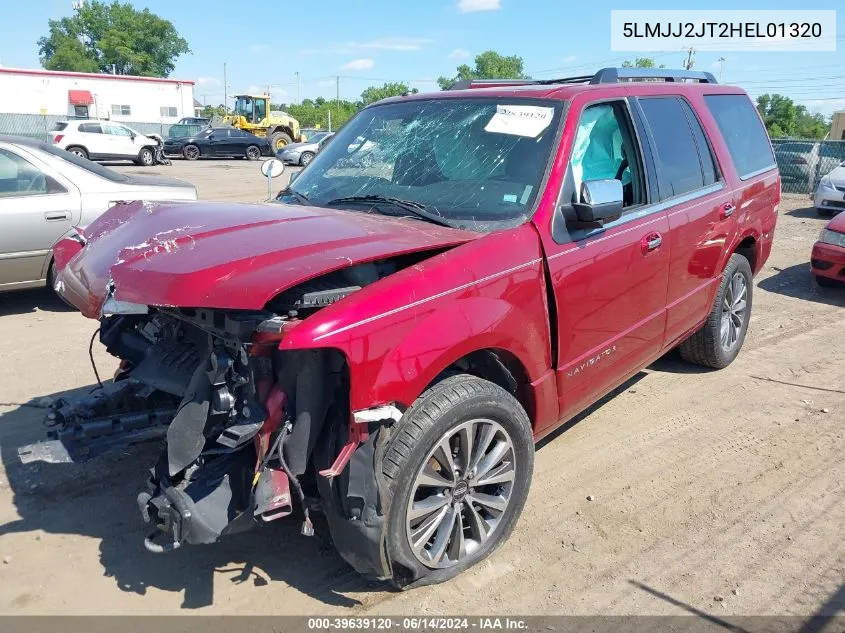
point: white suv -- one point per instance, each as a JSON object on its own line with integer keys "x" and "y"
{"x": 104, "y": 140}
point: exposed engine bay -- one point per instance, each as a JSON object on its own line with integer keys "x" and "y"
{"x": 250, "y": 431}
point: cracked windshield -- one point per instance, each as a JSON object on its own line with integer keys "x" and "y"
{"x": 468, "y": 163}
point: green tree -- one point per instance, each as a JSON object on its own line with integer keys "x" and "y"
{"x": 210, "y": 112}
{"x": 642, "y": 62}
{"x": 488, "y": 65}
{"x": 811, "y": 125}
{"x": 112, "y": 37}
{"x": 315, "y": 113}
{"x": 392, "y": 89}
{"x": 779, "y": 113}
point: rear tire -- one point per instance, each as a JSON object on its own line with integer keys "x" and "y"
{"x": 253, "y": 152}
{"x": 78, "y": 151}
{"x": 306, "y": 158}
{"x": 278, "y": 140}
{"x": 191, "y": 152}
{"x": 719, "y": 341}
{"x": 472, "y": 518}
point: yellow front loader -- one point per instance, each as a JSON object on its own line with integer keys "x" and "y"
{"x": 252, "y": 114}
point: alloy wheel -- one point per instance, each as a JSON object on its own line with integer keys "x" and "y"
{"x": 734, "y": 307}
{"x": 252, "y": 153}
{"x": 460, "y": 493}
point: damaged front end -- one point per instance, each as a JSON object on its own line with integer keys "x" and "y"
{"x": 244, "y": 424}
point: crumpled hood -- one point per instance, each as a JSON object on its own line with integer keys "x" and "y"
{"x": 229, "y": 255}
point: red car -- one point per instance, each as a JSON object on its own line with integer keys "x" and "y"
{"x": 452, "y": 278}
{"x": 828, "y": 259}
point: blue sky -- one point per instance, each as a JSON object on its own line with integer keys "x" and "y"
{"x": 368, "y": 42}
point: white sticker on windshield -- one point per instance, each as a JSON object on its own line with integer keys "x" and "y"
{"x": 520, "y": 120}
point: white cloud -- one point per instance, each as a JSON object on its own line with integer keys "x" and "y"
{"x": 569, "y": 59}
{"x": 208, "y": 82}
{"x": 259, "y": 48}
{"x": 358, "y": 64}
{"x": 472, "y": 6}
{"x": 323, "y": 83}
{"x": 392, "y": 43}
{"x": 824, "y": 106}
{"x": 459, "y": 53}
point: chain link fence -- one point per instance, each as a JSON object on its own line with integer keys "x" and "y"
{"x": 39, "y": 125}
{"x": 802, "y": 163}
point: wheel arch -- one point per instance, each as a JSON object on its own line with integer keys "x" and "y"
{"x": 499, "y": 366}
{"x": 280, "y": 128}
{"x": 748, "y": 248}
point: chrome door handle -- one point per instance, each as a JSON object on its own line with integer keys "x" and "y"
{"x": 651, "y": 242}
{"x": 57, "y": 215}
{"x": 726, "y": 211}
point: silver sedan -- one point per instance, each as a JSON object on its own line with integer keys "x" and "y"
{"x": 830, "y": 194}
{"x": 303, "y": 153}
{"x": 45, "y": 191}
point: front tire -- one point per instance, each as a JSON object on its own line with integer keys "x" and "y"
{"x": 719, "y": 341}
{"x": 146, "y": 158}
{"x": 457, "y": 470}
{"x": 191, "y": 152}
{"x": 253, "y": 152}
{"x": 278, "y": 140}
{"x": 306, "y": 158}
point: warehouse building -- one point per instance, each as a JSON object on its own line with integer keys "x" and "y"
{"x": 32, "y": 100}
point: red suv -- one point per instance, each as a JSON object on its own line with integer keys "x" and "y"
{"x": 453, "y": 277}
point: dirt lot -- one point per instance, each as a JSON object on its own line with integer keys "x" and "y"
{"x": 722, "y": 492}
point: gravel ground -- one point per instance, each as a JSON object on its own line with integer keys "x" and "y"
{"x": 716, "y": 492}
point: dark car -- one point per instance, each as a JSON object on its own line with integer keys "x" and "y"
{"x": 218, "y": 142}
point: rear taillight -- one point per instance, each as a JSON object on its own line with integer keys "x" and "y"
{"x": 58, "y": 138}
{"x": 798, "y": 161}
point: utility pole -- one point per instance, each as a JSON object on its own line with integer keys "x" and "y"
{"x": 225, "y": 93}
{"x": 297, "y": 85}
{"x": 721, "y": 61}
{"x": 690, "y": 58}
{"x": 337, "y": 98}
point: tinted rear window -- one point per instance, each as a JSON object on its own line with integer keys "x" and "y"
{"x": 59, "y": 126}
{"x": 676, "y": 154}
{"x": 91, "y": 128}
{"x": 744, "y": 134}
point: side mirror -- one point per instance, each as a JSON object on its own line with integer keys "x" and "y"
{"x": 132, "y": 136}
{"x": 601, "y": 200}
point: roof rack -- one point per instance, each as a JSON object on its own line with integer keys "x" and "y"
{"x": 604, "y": 76}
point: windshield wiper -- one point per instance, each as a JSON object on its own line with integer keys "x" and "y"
{"x": 416, "y": 209}
{"x": 301, "y": 197}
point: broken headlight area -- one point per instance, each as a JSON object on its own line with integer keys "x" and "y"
{"x": 240, "y": 418}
